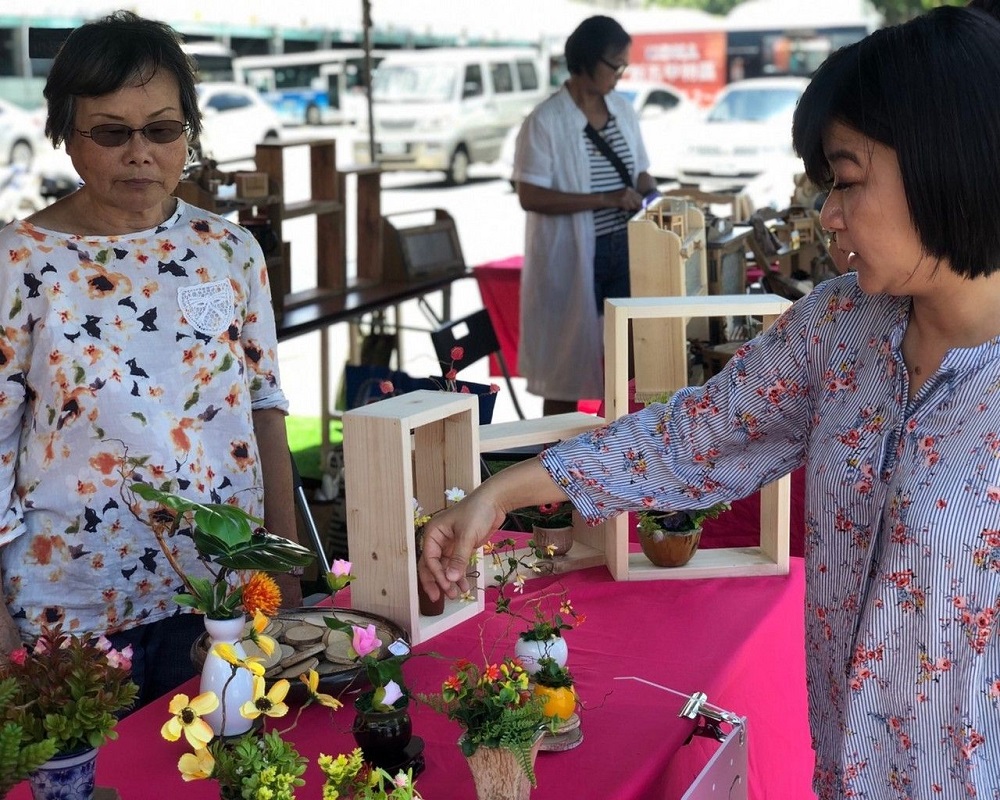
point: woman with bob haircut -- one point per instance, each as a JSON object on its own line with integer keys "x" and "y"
{"x": 139, "y": 344}
{"x": 884, "y": 383}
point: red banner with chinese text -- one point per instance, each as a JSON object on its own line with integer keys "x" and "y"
{"x": 694, "y": 62}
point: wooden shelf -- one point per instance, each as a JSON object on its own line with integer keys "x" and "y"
{"x": 307, "y": 208}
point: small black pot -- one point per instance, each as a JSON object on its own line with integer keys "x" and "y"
{"x": 382, "y": 735}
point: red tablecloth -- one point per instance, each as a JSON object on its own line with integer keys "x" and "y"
{"x": 500, "y": 287}
{"x": 739, "y": 640}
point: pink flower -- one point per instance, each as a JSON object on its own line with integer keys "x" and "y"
{"x": 386, "y": 387}
{"x": 120, "y": 658}
{"x": 457, "y": 353}
{"x": 19, "y": 656}
{"x": 365, "y": 641}
{"x": 451, "y": 374}
{"x": 340, "y": 567}
{"x": 494, "y": 388}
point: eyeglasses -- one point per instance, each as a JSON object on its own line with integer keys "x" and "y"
{"x": 114, "y": 135}
{"x": 619, "y": 69}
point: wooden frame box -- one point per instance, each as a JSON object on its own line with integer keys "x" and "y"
{"x": 251, "y": 185}
{"x": 771, "y": 556}
{"x": 415, "y": 445}
{"x": 589, "y": 543}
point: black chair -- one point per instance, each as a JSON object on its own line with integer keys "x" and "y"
{"x": 476, "y": 336}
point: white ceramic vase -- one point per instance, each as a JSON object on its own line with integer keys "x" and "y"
{"x": 529, "y": 652}
{"x": 233, "y": 690}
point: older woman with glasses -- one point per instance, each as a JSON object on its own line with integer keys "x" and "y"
{"x": 580, "y": 169}
{"x": 139, "y": 345}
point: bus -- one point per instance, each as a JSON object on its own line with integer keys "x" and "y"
{"x": 213, "y": 60}
{"x": 313, "y": 87}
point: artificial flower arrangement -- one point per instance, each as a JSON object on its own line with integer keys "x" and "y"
{"x": 348, "y": 776}
{"x": 236, "y": 551}
{"x": 495, "y": 706}
{"x": 59, "y": 697}
{"x": 253, "y": 765}
{"x": 386, "y": 674}
{"x": 509, "y": 575}
{"x": 554, "y": 685}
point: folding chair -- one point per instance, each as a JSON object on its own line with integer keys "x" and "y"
{"x": 476, "y": 336}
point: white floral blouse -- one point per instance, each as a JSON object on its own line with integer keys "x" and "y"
{"x": 902, "y": 528}
{"x": 135, "y": 357}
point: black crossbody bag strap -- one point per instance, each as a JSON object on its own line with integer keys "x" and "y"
{"x": 608, "y": 153}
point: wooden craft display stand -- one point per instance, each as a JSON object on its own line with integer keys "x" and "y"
{"x": 667, "y": 258}
{"x": 771, "y": 557}
{"x": 415, "y": 445}
{"x": 326, "y": 202}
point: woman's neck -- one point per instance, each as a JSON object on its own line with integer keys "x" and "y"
{"x": 587, "y": 98}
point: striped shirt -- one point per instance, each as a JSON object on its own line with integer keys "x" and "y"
{"x": 902, "y": 540}
{"x": 605, "y": 178}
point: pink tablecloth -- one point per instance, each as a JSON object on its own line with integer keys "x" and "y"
{"x": 739, "y": 640}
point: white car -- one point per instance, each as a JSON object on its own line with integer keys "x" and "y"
{"x": 665, "y": 116}
{"x": 20, "y": 135}
{"x": 746, "y": 136}
{"x": 235, "y": 119}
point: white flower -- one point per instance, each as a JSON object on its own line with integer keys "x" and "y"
{"x": 454, "y": 494}
{"x": 392, "y": 693}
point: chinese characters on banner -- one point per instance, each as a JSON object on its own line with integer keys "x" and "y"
{"x": 693, "y": 62}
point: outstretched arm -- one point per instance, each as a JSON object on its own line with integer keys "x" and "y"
{"x": 452, "y": 535}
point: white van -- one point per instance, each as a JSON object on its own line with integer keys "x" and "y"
{"x": 445, "y": 108}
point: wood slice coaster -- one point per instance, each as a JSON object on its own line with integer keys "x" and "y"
{"x": 567, "y": 736}
{"x": 303, "y": 635}
{"x": 268, "y": 661}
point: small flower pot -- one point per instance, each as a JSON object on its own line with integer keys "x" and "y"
{"x": 67, "y": 776}
{"x": 560, "y": 538}
{"x": 670, "y": 549}
{"x": 428, "y": 607}
{"x": 382, "y": 735}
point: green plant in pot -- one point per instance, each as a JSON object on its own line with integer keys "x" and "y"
{"x": 61, "y": 697}
{"x": 671, "y": 538}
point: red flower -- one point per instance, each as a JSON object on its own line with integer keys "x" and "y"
{"x": 457, "y": 353}
{"x": 386, "y": 387}
{"x": 19, "y": 656}
{"x": 491, "y": 673}
{"x": 451, "y": 374}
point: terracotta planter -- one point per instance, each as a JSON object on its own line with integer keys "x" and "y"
{"x": 673, "y": 549}
{"x": 560, "y": 538}
{"x": 382, "y": 735}
{"x": 497, "y": 774}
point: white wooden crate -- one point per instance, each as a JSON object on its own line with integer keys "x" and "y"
{"x": 771, "y": 556}
{"x": 415, "y": 445}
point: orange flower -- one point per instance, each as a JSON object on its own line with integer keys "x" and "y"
{"x": 261, "y": 593}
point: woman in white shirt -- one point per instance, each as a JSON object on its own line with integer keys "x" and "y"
{"x": 578, "y": 202}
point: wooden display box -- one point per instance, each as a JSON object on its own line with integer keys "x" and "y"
{"x": 415, "y": 445}
{"x": 251, "y": 185}
{"x": 771, "y": 556}
{"x": 663, "y": 263}
{"x": 589, "y": 543}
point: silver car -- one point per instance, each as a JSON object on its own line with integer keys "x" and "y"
{"x": 746, "y": 134}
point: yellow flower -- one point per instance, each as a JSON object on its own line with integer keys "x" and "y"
{"x": 261, "y": 593}
{"x": 311, "y": 680}
{"x": 270, "y": 704}
{"x": 187, "y": 719}
{"x": 228, "y": 653}
{"x": 266, "y": 644}
{"x": 197, "y": 765}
